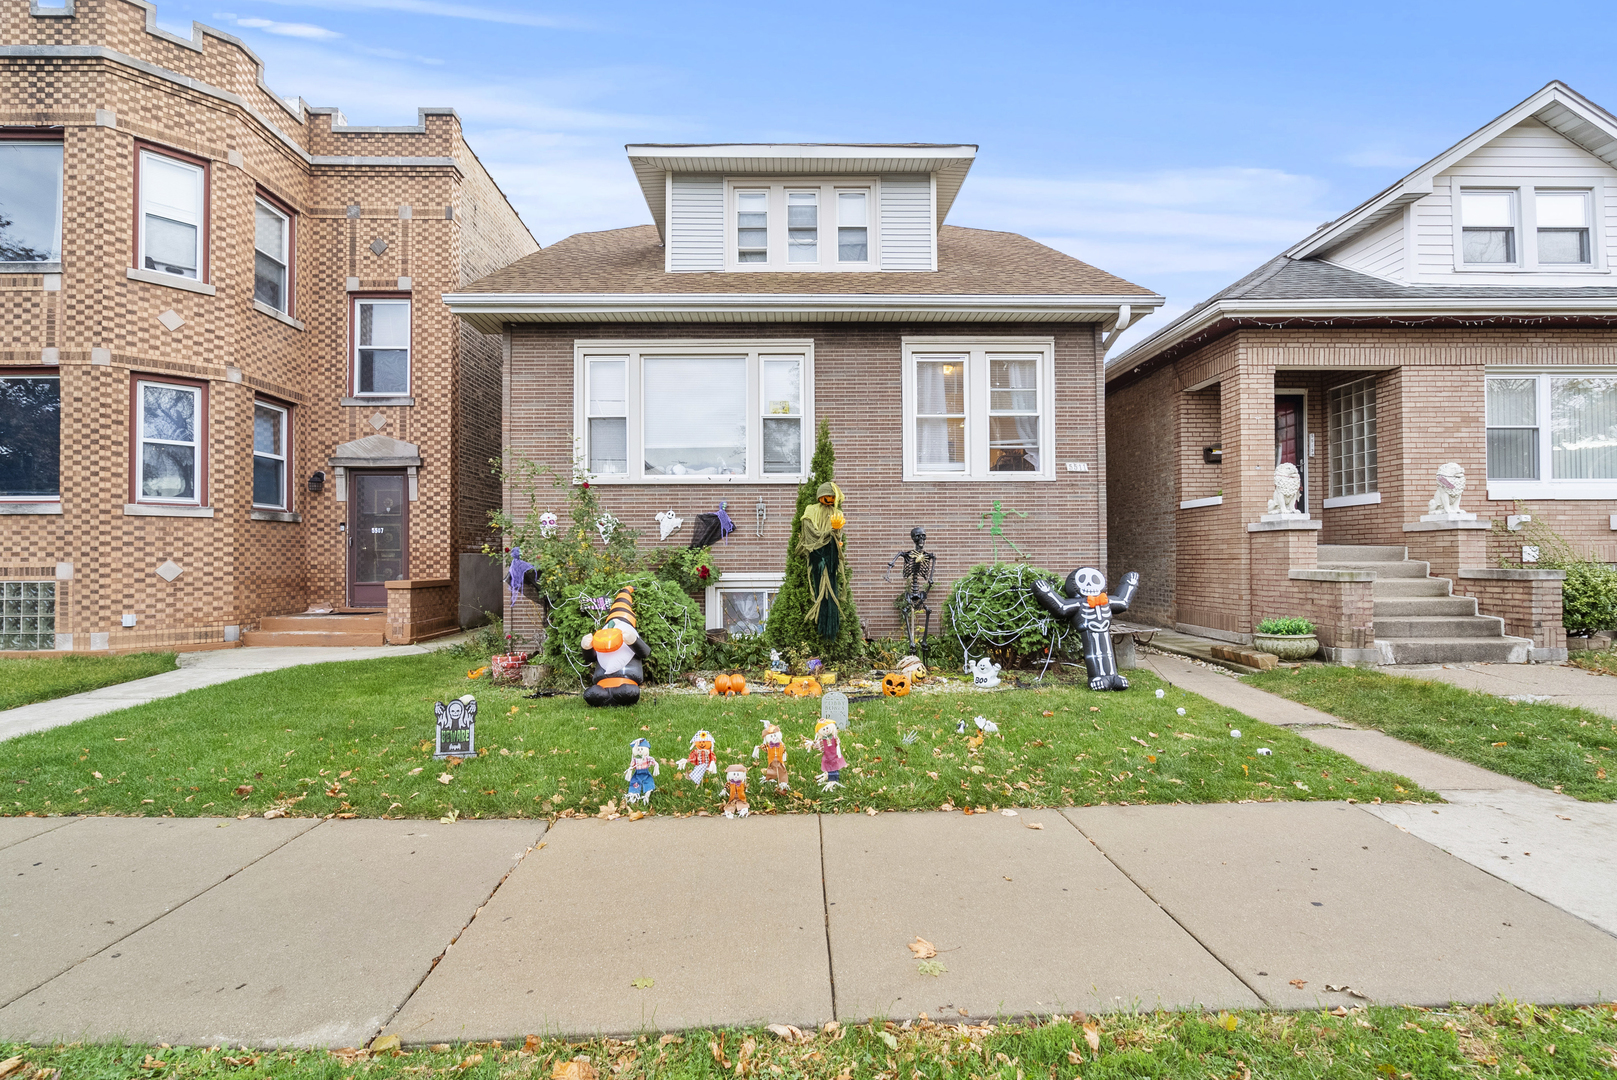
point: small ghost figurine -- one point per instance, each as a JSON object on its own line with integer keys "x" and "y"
{"x": 984, "y": 673}
{"x": 831, "y": 760}
{"x": 735, "y": 791}
{"x": 773, "y": 747}
{"x": 701, "y": 758}
{"x": 641, "y": 772}
{"x": 667, "y": 523}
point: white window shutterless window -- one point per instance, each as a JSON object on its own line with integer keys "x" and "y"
{"x": 694, "y": 411}
{"x": 381, "y": 347}
{"x": 168, "y": 421}
{"x": 1488, "y": 228}
{"x": 31, "y": 203}
{"x": 272, "y": 246}
{"x": 1552, "y": 434}
{"x": 269, "y": 455}
{"x": 801, "y": 225}
{"x": 171, "y": 226}
{"x": 978, "y": 409}
{"x": 752, "y": 226}
{"x": 1562, "y": 228}
{"x": 853, "y": 226}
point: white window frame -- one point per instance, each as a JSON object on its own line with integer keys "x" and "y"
{"x": 409, "y": 346}
{"x": 737, "y": 582}
{"x": 779, "y": 254}
{"x": 197, "y": 443}
{"x": 284, "y": 457}
{"x": 201, "y": 222}
{"x": 977, "y": 351}
{"x": 1335, "y": 436}
{"x": 286, "y": 247}
{"x": 1525, "y": 204}
{"x": 634, "y": 352}
{"x": 1546, "y": 486}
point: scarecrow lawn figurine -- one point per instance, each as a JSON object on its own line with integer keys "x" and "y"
{"x": 701, "y": 758}
{"x": 819, "y": 539}
{"x": 617, "y": 655}
{"x": 919, "y": 566}
{"x": 773, "y": 748}
{"x": 735, "y": 791}
{"x": 831, "y": 760}
{"x": 1090, "y": 613}
{"x": 642, "y": 768}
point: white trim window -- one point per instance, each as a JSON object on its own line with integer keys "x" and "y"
{"x": 740, "y": 603}
{"x": 168, "y": 419}
{"x": 1562, "y": 235}
{"x": 1351, "y": 412}
{"x": 1542, "y": 229}
{"x": 171, "y": 212}
{"x": 979, "y": 409}
{"x": 270, "y": 440}
{"x": 381, "y": 347}
{"x": 790, "y": 225}
{"x": 272, "y": 247}
{"x": 694, "y": 411}
{"x": 1552, "y": 434}
{"x": 1488, "y": 228}
{"x": 31, "y": 210}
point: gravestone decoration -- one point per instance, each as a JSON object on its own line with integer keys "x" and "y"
{"x": 456, "y": 726}
{"x": 834, "y": 707}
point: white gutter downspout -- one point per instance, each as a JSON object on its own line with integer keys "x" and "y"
{"x": 1125, "y": 315}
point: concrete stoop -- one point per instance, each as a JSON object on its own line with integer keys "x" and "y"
{"x": 1418, "y": 619}
{"x": 353, "y": 628}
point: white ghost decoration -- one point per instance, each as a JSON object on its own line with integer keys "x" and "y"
{"x": 668, "y": 522}
{"x": 547, "y": 524}
{"x": 985, "y": 673}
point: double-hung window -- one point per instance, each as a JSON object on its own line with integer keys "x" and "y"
{"x": 694, "y": 411}
{"x": 853, "y": 226}
{"x": 801, "y": 225}
{"x": 1528, "y": 228}
{"x": 1562, "y": 227}
{"x": 1488, "y": 228}
{"x": 1552, "y": 434}
{"x": 1351, "y": 411}
{"x": 30, "y": 436}
{"x": 30, "y": 202}
{"x": 172, "y": 226}
{"x": 271, "y": 434}
{"x": 170, "y": 425}
{"x": 978, "y": 408}
{"x": 272, "y": 256}
{"x": 381, "y": 347}
{"x": 752, "y": 226}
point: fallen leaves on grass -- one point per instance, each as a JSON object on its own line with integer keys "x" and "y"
{"x": 244, "y": 790}
{"x": 1092, "y": 1036}
{"x": 923, "y": 949}
{"x": 153, "y": 1063}
{"x": 384, "y": 1043}
{"x": 786, "y": 1033}
{"x": 443, "y": 778}
{"x": 9, "y": 1066}
{"x": 577, "y": 1069}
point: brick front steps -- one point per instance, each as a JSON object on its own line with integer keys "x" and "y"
{"x": 358, "y": 628}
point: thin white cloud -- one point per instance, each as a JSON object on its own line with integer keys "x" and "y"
{"x": 394, "y": 54}
{"x": 307, "y": 31}
{"x": 440, "y": 9}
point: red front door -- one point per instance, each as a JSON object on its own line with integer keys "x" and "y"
{"x": 1290, "y": 423}
{"x": 378, "y": 536}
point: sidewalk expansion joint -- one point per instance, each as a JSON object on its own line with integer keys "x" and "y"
{"x": 825, "y": 906}
{"x": 1176, "y": 920}
{"x": 44, "y": 832}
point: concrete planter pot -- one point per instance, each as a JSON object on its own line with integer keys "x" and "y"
{"x": 1289, "y": 647}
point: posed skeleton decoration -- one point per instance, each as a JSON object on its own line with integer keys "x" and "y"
{"x": 919, "y": 566}
{"x": 1090, "y": 611}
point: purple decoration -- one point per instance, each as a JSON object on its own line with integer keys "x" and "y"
{"x": 726, "y": 526}
{"x": 519, "y": 571}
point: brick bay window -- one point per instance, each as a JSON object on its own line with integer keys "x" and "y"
{"x": 1351, "y": 410}
{"x": 170, "y": 443}
{"x": 1552, "y": 434}
{"x": 381, "y": 365}
{"x": 700, "y": 411}
{"x": 171, "y": 235}
{"x": 272, "y": 255}
{"x": 30, "y": 441}
{"x": 978, "y": 409}
{"x": 271, "y": 454}
{"x": 30, "y": 201}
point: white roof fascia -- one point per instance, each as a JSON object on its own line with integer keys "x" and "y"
{"x": 1571, "y": 114}
{"x": 654, "y": 162}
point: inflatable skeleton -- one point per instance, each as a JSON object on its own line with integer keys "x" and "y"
{"x": 1090, "y": 611}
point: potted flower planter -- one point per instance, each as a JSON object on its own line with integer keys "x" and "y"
{"x": 1289, "y": 639}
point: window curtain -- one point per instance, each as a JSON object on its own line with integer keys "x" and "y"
{"x": 1583, "y": 428}
{"x": 940, "y": 406}
{"x": 1013, "y": 441}
{"x": 1512, "y": 412}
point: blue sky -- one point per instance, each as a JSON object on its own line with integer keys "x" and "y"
{"x": 1178, "y": 145}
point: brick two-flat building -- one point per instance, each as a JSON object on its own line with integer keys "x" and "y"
{"x": 228, "y": 387}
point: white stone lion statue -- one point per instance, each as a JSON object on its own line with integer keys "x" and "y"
{"x": 1450, "y": 486}
{"x": 1288, "y": 485}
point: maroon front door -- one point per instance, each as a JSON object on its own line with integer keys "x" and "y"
{"x": 1289, "y": 427}
{"x": 378, "y": 535}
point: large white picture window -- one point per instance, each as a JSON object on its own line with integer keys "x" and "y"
{"x": 978, "y": 409}
{"x": 1552, "y": 434}
{"x": 171, "y": 226}
{"x": 693, "y": 411}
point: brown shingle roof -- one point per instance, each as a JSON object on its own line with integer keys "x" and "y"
{"x": 971, "y": 262}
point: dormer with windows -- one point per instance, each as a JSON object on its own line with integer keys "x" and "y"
{"x": 800, "y": 208}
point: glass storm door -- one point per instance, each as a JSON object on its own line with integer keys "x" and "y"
{"x": 1289, "y": 434}
{"x": 378, "y": 527}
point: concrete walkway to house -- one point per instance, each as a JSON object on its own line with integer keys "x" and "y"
{"x": 196, "y": 670}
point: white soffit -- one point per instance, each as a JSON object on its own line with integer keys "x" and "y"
{"x": 653, "y": 162}
{"x": 1557, "y": 106}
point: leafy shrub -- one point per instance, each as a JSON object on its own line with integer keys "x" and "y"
{"x": 485, "y": 641}
{"x": 1288, "y": 625}
{"x": 1589, "y": 597}
{"x": 668, "y": 620}
{"x": 748, "y": 651}
{"x": 573, "y": 553}
{"x": 992, "y": 611}
{"x": 691, "y": 569}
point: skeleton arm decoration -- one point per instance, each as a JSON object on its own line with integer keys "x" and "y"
{"x": 1088, "y": 610}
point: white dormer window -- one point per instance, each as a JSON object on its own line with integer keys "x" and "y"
{"x": 801, "y": 225}
{"x": 1563, "y": 227}
{"x": 1528, "y": 228}
{"x": 752, "y": 226}
{"x": 1488, "y": 227}
{"x": 853, "y": 226}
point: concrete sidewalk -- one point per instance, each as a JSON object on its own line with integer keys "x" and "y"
{"x": 197, "y": 669}
{"x": 1557, "y": 684}
{"x": 295, "y": 932}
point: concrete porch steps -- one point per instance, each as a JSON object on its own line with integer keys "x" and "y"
{"x": 1418, "y": 619}
{"x": 352, "y": 628}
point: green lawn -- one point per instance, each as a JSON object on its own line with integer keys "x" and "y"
{"x": 355, "y": 738}
{"x": 1601, "y": 660}
{"x": 1505, "y": 1039}
{"x": 1568, "y": 750}
{"x": 25, "y": 681}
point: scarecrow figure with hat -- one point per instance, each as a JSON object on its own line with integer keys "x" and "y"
{"x": 831, "y": 760}
{"x": 617, "y": 655}
{"x": 773, "y": 748}
{"x": 819, "y": 538}
{"x": 735, "y": 791}
{"x": 641, "y": 772}
{"x": 701, "y": 759}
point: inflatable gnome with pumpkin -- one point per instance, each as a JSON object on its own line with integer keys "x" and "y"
{"x": 617, "y": 655}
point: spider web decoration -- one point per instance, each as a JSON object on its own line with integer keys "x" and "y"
{"x": 979, "y": 619}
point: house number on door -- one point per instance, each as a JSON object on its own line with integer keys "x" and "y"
{"x": 377, "y": 530}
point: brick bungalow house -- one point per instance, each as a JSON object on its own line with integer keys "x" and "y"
{"x": 1466, "y": 314}
{"x": 689, "y": 361}
{"x": 228, "y": 390}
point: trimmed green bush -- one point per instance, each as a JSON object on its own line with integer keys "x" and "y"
{"x": 668, "y": 620}
{"x": 992, "y": 611}
{"x": 1288, "y": 625}
{"x": 1589, "y": 597}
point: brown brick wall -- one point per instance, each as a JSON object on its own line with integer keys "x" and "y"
{"x": 1142, "y": 499}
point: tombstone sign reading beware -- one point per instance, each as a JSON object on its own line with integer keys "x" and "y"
{"x": 455, "y": 727}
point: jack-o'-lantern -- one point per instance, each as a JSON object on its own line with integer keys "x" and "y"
{"x": 895, "y": 684}
{"x": 729, "y": 685}
{"x": 803, "y": 686}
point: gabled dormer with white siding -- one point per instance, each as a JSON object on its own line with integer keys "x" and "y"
{"x": 1528, "y": 200}
{"x": 771, "y": 208}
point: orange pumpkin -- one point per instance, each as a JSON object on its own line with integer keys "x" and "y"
{"x": 895, "y": 684}
{"x": 803, "y": 686}
{"x": 729, "y": 685}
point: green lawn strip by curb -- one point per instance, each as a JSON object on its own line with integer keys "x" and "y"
{"x": 1601, "y": 660}
{"x": 356, "y": 738}
{"x": 1503, "y": 1039}
{"x": 1553, "y": 746}
{"x": 25, "y": 680}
